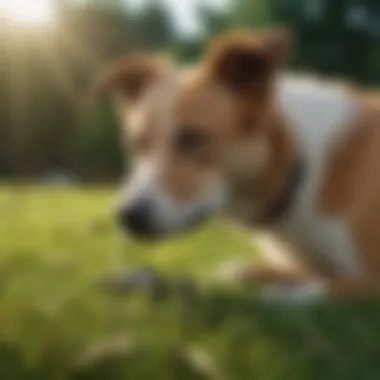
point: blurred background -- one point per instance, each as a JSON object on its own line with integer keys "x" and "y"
{"x": 51, "y": 50}
{"x": 77, "y": 300}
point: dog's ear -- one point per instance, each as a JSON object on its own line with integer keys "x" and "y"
{"x": 129, "y": 78}
{"x": 245, "y": 61}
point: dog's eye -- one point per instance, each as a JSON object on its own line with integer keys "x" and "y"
{"x": 189, "y": 140}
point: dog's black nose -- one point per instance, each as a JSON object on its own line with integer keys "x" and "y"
{"x": 137, "y": 219}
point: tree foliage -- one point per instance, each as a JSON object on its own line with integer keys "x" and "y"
{"x": 45, "y": 74}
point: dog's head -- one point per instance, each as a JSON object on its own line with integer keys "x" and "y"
{"x": 193, "y": 133}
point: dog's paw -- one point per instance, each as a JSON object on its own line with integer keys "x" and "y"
{"x": 232, "y": 271}
{"x": 300, "y": 294}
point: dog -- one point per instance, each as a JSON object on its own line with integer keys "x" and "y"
{"x": 298, "y": 158}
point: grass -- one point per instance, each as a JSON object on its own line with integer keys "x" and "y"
{"x": 56, "y": 324}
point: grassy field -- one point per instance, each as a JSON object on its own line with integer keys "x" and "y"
{"x": 56, "y": 322}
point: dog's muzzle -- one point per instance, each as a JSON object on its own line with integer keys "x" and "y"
{"x": 146, "y": 211}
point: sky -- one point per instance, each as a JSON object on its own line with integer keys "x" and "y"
{"x": 183, "y": 12}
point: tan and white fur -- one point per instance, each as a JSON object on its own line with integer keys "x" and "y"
{"x": 223, "y": 138}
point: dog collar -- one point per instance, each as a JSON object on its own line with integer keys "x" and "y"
{"x": 276, "y": 210}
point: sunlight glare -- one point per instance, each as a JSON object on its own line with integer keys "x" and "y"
{"x": 26, "y": 11}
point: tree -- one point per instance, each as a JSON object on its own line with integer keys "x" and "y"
{"x": 45, "y": 77}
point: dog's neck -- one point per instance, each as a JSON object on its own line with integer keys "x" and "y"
{"x": 264, "y": 197}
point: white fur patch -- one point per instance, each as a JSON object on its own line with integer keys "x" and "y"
{"x": 167, "y": 214}
{"x": 300, "y": 294}
{"x": 231, "y": 271}
{"x": 275, "y": 250}
{"x": 319, "y": 114}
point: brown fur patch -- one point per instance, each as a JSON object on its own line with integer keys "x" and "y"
{"x": 247, "y": 64}
{"x": 271, "y": 182}
{"x": 345, "y": 170}
{"x": 204, "y": 108}
{"x": 351, "y": 187}
{"x": 129, "y": 76}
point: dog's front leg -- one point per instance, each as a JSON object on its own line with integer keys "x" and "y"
{"x": 317, "y": 289}
{"x": 284, "y": 286}
{"x": 286, "y": 275}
